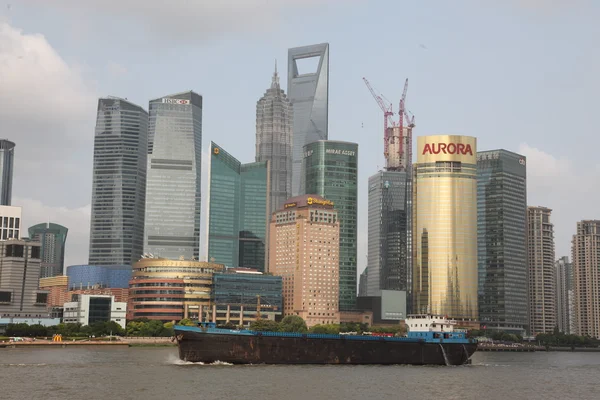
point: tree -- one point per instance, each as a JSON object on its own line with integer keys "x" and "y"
{"x": 293, "y": 323}
{"x": 330, "y": 329}
{"x": 186, "y": 322}
{"x": 264, "y": 325}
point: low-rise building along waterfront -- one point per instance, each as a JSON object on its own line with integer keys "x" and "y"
{"x": 304, "y": 251}
{"x": 169, "y": 290}
{"x": 88, "y": 309}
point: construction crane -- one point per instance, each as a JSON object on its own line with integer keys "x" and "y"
{"x": 386, "y": 107}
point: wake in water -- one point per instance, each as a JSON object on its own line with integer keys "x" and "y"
{"x": 174, "y": 360}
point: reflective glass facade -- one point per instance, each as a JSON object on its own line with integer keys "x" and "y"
{"x": 274, "y": 141}
{"x": 238, "y": 210}
{"x": 103, "y": 276}
{"x": 237, "y": 289}
{"x": 388, "y": 231}
{"x": 502, "y": 241}
{"x": 308, "y": 92}
{"x": 7, "y": 156}
{"x": 445, "y": 227}
{"x": 119, "y": 183}
{"x": 174, "y": 171}
{"x": 331, "y": 170}
{"x": 53, "y": 238}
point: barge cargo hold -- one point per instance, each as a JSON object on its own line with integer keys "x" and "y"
{"x": 431, "y": 340}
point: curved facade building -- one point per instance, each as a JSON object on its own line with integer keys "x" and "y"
{"x": 7, "y": 156}
{"x": 169, "y": 290}
{"x": 98, "y": 276}
{"x": 445, "y": 227}
{"x": 53, "y": 238}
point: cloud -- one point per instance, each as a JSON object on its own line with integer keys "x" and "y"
{"x": 77, "y": 220}
{"x": 189, "y": 20}
{"x": 47, "y": 109}
{"x": 116, "y": 70}
{"x": 568, "y": 188}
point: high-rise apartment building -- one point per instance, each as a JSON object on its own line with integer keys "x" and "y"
{"x": 331, "y": 170}
{"x": 304, "y": 249}
{"x": 389, "y": 253}
{"x": 586, "y": 277}
{"x": 119, "y": 182}
{"x": 564, "y": 295}
{"x": 445, "y": 227}
{"x": 542, "y": 274}
{"x": 502, "y": 241}
{"x": 52, "y": 238}
{"x": 238, "y": 211}
{"x": 308, "y": 92}
{"x": 172, "y": 227}
{"x": 7, "y": 156}
{"x": 274, "y": 141}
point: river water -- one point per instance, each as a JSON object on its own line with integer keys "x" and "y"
{"x": 156, "y": 373}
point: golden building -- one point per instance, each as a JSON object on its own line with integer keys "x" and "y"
{"x": 304, "y": 251}
{"x": 169, "y": 290}
{"x": 445, "y": 227}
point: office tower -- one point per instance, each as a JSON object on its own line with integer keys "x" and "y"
{"x": 586, "y": 277}
{"x": 330, "y": 170}
{"x": 172, "y": 227}
{"x": 119, "y": 182}
{"x": 238, "y": 211}
{"x": 188, "y": 283}
{"x": 19, "y": 279}
{"x": 388, "y": 232}
{"x": 304, "y": 247}
{"x": 53, "y": 238}
{"x": 274, "y": 141}
{"x": 308, "y": 92}
{"x": 542, "y": 277}
{"x": 7, "y": 155}
{"x": 502, "y": 241}
{"x": 445, "y": 227}
{"x": 10, "y": 222}
{"x": 564, "y": 294}
{"x": 363, "y": 280}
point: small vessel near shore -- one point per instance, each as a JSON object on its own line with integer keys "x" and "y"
{"x": 431, "y": 340}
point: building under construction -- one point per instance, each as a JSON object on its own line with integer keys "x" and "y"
{"x": 389, "y": 258}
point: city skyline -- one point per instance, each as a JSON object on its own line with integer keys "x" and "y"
{"x": 544, "y": 166}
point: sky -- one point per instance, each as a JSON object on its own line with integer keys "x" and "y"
{"x": 521, "y": 75}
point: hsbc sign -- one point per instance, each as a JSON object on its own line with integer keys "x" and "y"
{"x": 175, "y": 101}
{"x": 448, "y": 148}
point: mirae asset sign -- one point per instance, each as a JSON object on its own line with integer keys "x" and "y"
{"x": 342, "y": 152}
{"x": 175, "y": 101}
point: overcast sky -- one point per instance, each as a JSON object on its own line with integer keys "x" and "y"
{"x": 518, "y": 74}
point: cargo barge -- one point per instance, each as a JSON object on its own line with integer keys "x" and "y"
{"x": 431, "y": 340}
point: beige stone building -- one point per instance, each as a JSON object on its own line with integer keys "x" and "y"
{"x": 586, "y": 276}
{"x": 542, "y": 273}
{"x": 304, "y": 251}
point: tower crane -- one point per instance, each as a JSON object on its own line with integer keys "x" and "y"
{"x": 386, "y": 107}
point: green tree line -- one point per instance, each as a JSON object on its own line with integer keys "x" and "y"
{"x": 294, "y": 323}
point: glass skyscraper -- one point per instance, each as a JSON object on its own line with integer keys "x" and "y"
{"x": 7, "y": 155}
{"x": 331, "y": 171}
{"x": 119, "y": 183}
{"x": 308, "y": 92}
{"x": 238, "y": 211}
{"x": 53, "y": 238}
{"x": 502, "y": 241}
{"x": 274, "y": 141}
{"x": 174, "y": 170}
{"x": 388, "y": 230}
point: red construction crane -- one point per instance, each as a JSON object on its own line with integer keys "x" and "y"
{"x": 386, "y": 107}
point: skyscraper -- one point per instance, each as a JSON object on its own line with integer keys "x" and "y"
{"x": 238, "y": 211}
{"x": 274, "y": 141}
{"x": 502, "y": 241}
{"x": 119, "y": 182}
{"x": 331, "y": 171}
{"x": 542, "y": 277}
{"x": 308, "y": 92}
{"x": 304, "y": 240}
{"x": 564, "y": 295}
{"x": 445, "y": 227}
{"x": 7, "y": 155}
{"x": 174, "y": 170}
{"x": 52, "y": 238}
{"x": 388, "y": 230}
{"x": 586, "y": 277}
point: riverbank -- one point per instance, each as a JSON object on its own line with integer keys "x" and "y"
{"x": 125, "y": 342}
{"x": 529, "y": 349}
